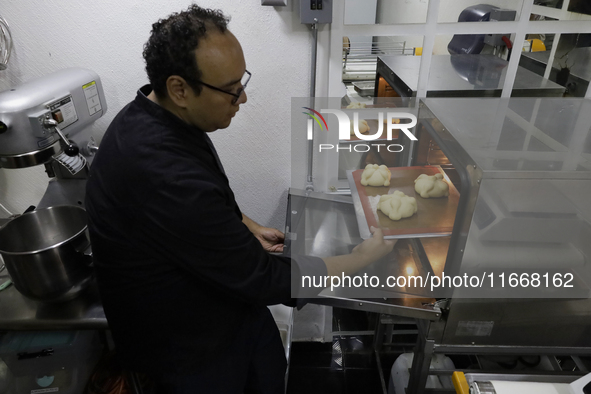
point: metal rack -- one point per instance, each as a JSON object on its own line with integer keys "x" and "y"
{"x": 360, "y": 59}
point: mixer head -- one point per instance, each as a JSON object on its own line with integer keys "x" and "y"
{"x": 35, "y": 113}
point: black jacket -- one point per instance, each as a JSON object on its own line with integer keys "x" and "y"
{"x": 177, "y": 269}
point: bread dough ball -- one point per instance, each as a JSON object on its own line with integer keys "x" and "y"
{"x": 374, "y": 175}
{"x": 355, "y": 105}
{"x": 431, "y": 186}
{"x": 397, "y": 205}
{"x": 363, "y": 126}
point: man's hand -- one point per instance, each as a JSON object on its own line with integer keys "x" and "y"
{"x": 374, "y": 248}
{"x": 271, "y": 239}
{"x": 365, "y": 253}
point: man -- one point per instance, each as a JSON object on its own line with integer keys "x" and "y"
{"x": 184, "y": 276}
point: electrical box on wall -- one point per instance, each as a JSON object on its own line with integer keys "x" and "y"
{"x": 499, "y": 14}
{"x": 315, "y": 11}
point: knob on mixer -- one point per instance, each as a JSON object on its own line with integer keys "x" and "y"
{"x": 71, "y": 148}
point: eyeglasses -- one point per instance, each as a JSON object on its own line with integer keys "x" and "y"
{"x": 243, "y": 82}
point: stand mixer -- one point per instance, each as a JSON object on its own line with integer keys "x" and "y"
{"x": 45, "y": 121}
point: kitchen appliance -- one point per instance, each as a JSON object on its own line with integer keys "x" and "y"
{"x": 46, "y": 122}
{"x": 41, "y": 122}
{"x": 475, "y": 43}
{"x": 500, "y": 383}
{"x": 44, "y": 252}
{"x": 523, "y": 171}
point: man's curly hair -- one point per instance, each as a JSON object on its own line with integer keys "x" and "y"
{"x": 170, "y": 50}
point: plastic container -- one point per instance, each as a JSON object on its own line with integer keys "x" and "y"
{"x": 49, "y": 361}
{"x": 400, "y": 374}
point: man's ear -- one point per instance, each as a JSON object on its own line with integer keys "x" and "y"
{"x": 178, "y": 90}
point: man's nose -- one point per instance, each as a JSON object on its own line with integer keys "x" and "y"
{"x": 242, "y": 99}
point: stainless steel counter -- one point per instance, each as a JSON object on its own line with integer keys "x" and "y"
{"x": 462, "y": 76}
{"x": 578, "y": 61}
{"x": 19, "y": 313}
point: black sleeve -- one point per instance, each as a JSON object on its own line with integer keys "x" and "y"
{"x": 192, "y": 222}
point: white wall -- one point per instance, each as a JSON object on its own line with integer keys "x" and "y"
{"x": 107, "y": 36}
{"x": 408, "y": 11}
{"x": 360, "y": 12}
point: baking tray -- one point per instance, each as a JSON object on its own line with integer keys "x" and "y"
{"x": 373, "y": 129}
{"x": 365, "y": 88}
{"x": 434, "y": 217}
